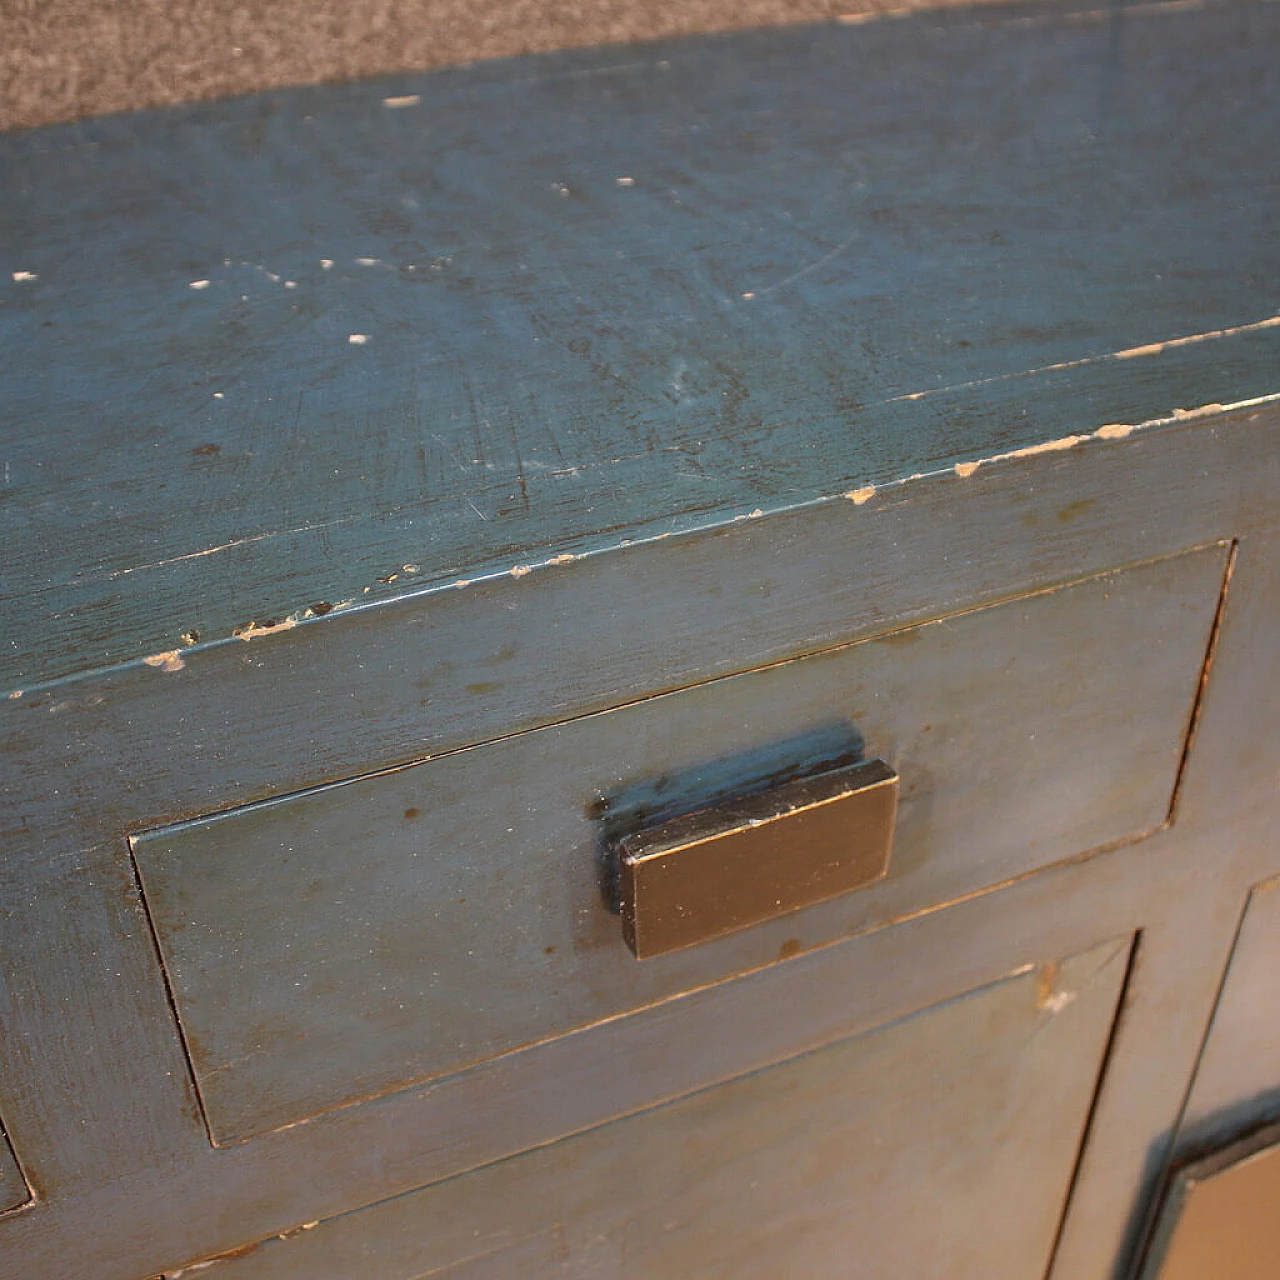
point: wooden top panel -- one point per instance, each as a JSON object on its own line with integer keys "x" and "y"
{"x": 324, "y": 347}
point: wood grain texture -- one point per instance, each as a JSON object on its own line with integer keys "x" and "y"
{"x": 597, "y": 300}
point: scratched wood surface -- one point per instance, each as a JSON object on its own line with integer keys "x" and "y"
{"x": 277, "y": 358}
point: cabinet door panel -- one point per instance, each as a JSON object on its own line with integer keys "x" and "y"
{"x": 1220, "y": 1208}
{"x": 1237, "y": 1085}
{"x": 941, "y": 1145}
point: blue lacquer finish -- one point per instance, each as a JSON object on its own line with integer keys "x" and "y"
{"x": 321, "y": 347}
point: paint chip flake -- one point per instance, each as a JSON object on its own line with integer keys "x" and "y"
{"x": 405, "y": 100}
{"x": 170, "y": 661}
{"x": 198, "y": 284}
{"x": 21, "y": 276}
{"x": 859, "y": 496}
{"x": 357, "y": 339}
{"x": 253, "y": 630}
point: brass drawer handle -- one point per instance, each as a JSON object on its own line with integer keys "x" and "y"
{"x": 720, "y": 869}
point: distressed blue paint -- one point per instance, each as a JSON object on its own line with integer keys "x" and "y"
{"x": 820, "y": 221}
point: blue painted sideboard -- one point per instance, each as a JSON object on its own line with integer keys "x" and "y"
{"x": 412, "y": 489}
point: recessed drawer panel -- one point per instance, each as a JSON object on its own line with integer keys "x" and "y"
{"x": 333, "y": 945}
{"x": 939, "y": 1145}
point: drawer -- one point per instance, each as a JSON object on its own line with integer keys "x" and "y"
{"x": 941, "y": 1144}
{"x": 330, "y": 946}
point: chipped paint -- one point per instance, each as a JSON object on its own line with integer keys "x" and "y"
{"x": 1151, "y": 349}
{"x": 1111, "y": 431}
{"x": 1209, "y": 335}
{"x": 1047, "y": 982}
{"x": 520, "y": 570}
{"x": 1128, "y": 353}
{"x": 357, "y": 339}
{"x": 859, "y": 496}
{"x": 171, "y": 660}
{"x": 255, "y": 630}
{"x": 965, "y": 469}
{"x": 22, "y": 276}
{"x": 15, "y": 693}
{"x": 298, "y": 1230}
{"x": 198, "y": 284}
{"x": 326, "y": 264}
{"x": 566, "y": 558}
{"x": 405, "y": 100}
{"x": 872, "y": 15}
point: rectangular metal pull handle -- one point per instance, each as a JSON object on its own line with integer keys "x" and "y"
{"x": 721, "y": 869}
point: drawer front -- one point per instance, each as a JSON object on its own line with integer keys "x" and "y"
{"x": 337, "y": 944}
{"x": 942, "y": 1144}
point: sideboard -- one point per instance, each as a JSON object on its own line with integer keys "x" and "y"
{"x": 425, "y": 500}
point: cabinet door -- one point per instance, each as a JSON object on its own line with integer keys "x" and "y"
{"x": 941, "y": 1145}
{"x": 1219, "y": 1220}
{"x": 1220, "y": 1210}
{"x": 1237, "y": 1085}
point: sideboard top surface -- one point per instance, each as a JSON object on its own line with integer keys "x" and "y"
{"x": 271, "y": 358}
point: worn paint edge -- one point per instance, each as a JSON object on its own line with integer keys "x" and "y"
{"x": 139, "y": 836}
{"x": 1108, "y": 433}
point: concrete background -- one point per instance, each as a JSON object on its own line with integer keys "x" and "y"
{"x": 66, "y": 59}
